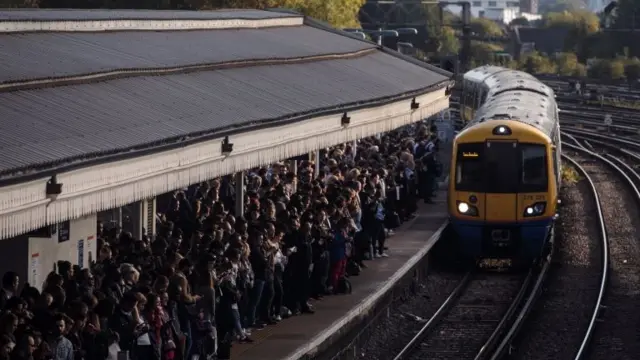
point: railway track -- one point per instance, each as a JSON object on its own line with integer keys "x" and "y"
{"x": 601, "y": 140}
{"x": 479, "y": 319}
{"x": 616, "y": 335}
{"x": 482, "y": 316}
{"x": 564, "y": 317}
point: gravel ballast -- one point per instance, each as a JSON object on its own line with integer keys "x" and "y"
{"x": 560, "y": 318}
{"x": 469, "y": 323}
{"x": 392, "y": 333}
{"x": 616, "y": 336}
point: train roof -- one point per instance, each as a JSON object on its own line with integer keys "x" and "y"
{"x": 480, "y": 73}
{"x": 516, "y": 80}
{"x": 526, "y": 107}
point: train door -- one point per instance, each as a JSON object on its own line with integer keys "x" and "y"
{"x": 502, "y": 178}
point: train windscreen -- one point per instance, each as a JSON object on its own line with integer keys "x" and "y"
{"x": 501, "y": 167}
{"x": 535, "y": 176}
{"x": 470, "y": 167}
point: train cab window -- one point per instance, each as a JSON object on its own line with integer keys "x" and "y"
{"x": 534, "y": 168}
{"x": 470, "y": 167}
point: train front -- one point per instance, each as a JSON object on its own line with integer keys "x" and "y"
{"x": 502, "y": 193}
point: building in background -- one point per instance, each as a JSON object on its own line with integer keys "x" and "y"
{"x": 502, "y": 11}
{"x": 501, "y": 15}
{"x": 529, "y": 6}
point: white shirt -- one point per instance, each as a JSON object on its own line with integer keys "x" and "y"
{"x": 383, "y": 188}
{"x": 114, "y": 349}
{"x": 143, "y": 339}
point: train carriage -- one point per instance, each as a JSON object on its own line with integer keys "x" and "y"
{"x": 505, "y": 176}
{"x": 474, "y": 89}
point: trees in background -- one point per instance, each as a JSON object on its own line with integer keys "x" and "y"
{"x": 486, "y": 27}
{"x": 521, "y": 21}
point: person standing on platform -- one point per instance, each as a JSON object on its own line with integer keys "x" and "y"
{"x": 259, "y": 264}
{"x": 300, "y": 266}
{"x": 338, "y": 253}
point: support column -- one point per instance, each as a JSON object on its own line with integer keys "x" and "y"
{"x": 317, "y": 163}
{"x": 354, "y": 146}
{"x": 120, "y": 218}
{"x": 239, "y": 180}
{"x": 294, "y": 169}
{"x": 150, "y": 217}
{"x": 143, "y": 218}
{"x": 137, "y": 219}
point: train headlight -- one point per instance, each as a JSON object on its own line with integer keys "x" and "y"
{"x": 536, "y": 209}
{"x": 466, "y": 209}
{"x": 501, "y": 130}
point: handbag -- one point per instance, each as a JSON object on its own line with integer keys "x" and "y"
{"x": 392, "y": 220}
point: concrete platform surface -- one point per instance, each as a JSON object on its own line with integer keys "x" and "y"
{"x": 300, "y": 335}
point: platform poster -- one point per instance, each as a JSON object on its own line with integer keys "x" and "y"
{"x": 34, "y": 270}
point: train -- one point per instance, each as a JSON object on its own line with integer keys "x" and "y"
{"x": 505, "y": 172}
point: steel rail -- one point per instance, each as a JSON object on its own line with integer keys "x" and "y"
{"x": 490, "y": 345}
{"x": 603, "y": 236}
{"x": 590, "y": 135}
{"x": 433, "y": 321}
{"x": 535, "y": 292}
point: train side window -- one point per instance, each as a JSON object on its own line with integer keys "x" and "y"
{"x": 465, "y": 92}
{"x": 472, "y": 95}
{"x": 465, "y": 89}
{"x": 480, "y": 97}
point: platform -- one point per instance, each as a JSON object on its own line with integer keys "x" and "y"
{"x": 297, "y": 336}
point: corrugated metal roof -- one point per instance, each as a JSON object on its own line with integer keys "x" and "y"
{"x": 49, "y": 125}
{"x": 100, "y": 14}
{"x": 42, "y": 55}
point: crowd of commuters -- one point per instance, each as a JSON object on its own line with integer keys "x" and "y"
{"x": 209, "y": 277}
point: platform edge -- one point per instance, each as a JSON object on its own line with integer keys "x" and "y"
{"x": 369, "y": 302}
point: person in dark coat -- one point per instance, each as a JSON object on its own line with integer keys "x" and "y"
{"x": 299, "y": 267}
{"x": 123, "y": 321}
{"x": 10, "y": 283}
{"x": 259, "y": 264}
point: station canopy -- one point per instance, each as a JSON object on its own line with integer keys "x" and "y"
{"x": 124, "y": 105}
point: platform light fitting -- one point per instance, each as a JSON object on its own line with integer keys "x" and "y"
{"x": 448, "y": 91}
{"x": 53, "y": 188}
{"x": 346, "y": 120}
{"x": 227, "y": 147}
{"x": 414, "y": 104}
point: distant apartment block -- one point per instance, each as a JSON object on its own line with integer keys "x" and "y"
{"x": 503, "y": 11}
{"x": 529, "y": 6}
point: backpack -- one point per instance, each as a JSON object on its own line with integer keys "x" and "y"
{"x": 353, "y": 269}
{"x": 344, "y": 286}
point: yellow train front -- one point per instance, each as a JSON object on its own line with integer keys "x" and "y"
{"x": 503, "y": 187}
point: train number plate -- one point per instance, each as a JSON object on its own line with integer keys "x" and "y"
{"x": 501, "y": 237}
